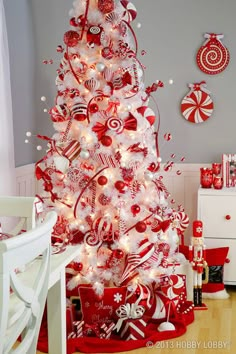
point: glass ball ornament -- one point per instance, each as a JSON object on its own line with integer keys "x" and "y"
{"x": 93, "y": 108}
{"x": 106, "y": 140}
{"x": 74, "y": 22}
{"x": 84, "y": 154}
{"x": 148, "y": 175}
{"x": 118, "y": 253}
{"x": 153, "y": 167}
{"x": 119, "y": 185}
{"x": 71, "y": 38}
{"x": 102, "y": 180}
{"x": 78, "y": 266}
{"x": 135, "y": 209}
{"x": 100, "y": 67}
{"x": 81, "y": 228}
{"x": 141, "y": 227}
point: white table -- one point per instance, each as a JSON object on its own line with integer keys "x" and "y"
{"x": 56, "y": 300}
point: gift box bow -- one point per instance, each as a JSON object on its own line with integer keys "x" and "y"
{"x": 128, "y": 311}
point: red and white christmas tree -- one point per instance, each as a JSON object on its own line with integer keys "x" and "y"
{"x": 102, "y": 171}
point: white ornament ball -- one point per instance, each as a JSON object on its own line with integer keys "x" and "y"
{"x": 159, "y": 159}
{"x": 43, "y": 98}
{"x": 100, "y": 67}
{"x": 139, "y": 25}
{"x": 28, "y": 134}
{"x": 166, "y": 326}
{"x": 81, "y": 228}
{"x": 148, "y": 176}
{"x": 45, "y": 110}
{"x": 171, "y": 82}
{"x": 26, "y": 141}
{"x": 39, "y": 147}
{"x": 84, "y": 154}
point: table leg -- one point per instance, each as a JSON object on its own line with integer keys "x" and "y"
{"x": 56, "y": 312}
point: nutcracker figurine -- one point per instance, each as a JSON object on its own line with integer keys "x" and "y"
{"x": 197, "y": 257}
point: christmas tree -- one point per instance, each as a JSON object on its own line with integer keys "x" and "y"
{"x": 103, "y": 172}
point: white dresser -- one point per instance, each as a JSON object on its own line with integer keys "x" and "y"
{"x": 217, "y": 211}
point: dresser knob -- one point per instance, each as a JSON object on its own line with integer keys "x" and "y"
{"x": 227, "y": 217}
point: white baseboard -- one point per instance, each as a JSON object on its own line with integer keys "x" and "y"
{"x": 183, "y": 187}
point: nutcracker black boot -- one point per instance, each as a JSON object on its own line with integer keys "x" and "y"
{"x": 199, "y": 296}
{"x": 195, "y": 296}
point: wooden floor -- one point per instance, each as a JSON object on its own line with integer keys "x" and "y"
{"x": 212, "y": 332}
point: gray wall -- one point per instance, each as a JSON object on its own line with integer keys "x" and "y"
{"x": 171, "y": 33}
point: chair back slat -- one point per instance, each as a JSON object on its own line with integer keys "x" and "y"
{"x": 24, "y": 277}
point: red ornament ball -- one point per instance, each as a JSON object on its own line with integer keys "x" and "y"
{"x": 118, "y": 253}
{"x": 106, "y": 6}
{"x": 93, "y": 108}
{"x": 102, "y": 180}
{"x": 107, "y": 53}
{"x": 135, "y": 209}
{"x": 74, "y": 22}
{"x": 71, "y": 38}
{"x": 167, "y": 136}
{"x": 153, "y": 167}
{"x": 141, "y": 227}
{"x": 104, "y": 199}
{"x": 120, "y": 185}
{"x": 78, "y": 266}
{"x": 106, "y": 140}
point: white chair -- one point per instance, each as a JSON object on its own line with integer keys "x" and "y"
{"x": 18, "y": 209}
{"x": 23, "y": 294}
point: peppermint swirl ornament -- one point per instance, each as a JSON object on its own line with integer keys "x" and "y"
{"x": 197, "y": 106}
{"x": 213, "y": 57}
{"x": 115, "y": 124}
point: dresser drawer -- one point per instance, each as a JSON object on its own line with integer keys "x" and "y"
{"x": 229, "y": 268}
{"x": 218, "y": 214}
